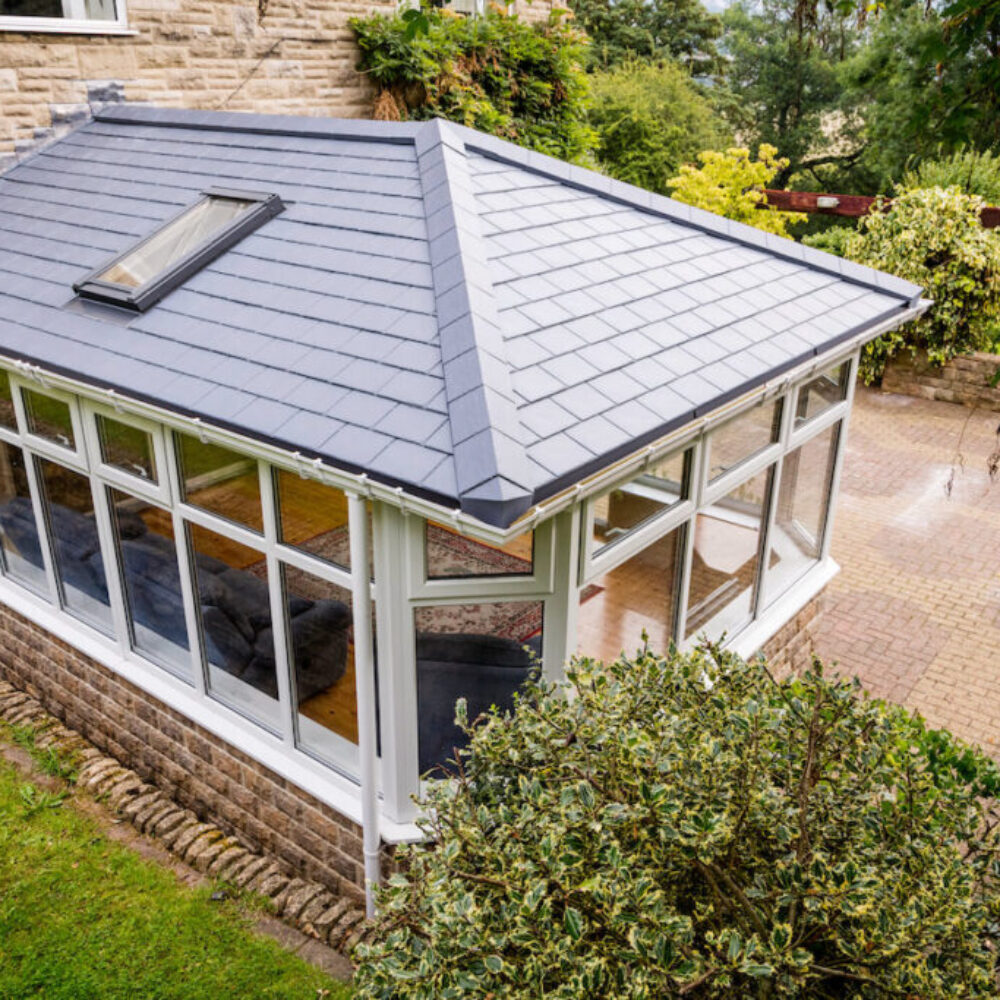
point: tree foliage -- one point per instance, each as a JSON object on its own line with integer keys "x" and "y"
{"x": 732, "y": 183}
{"x": 520, "y": 81}
{"x": 681, "y": 30}
{"x": 685, "y": 826}
{"x": 650, "y": 118}
{"x": 933, "y": 237}
{"x": 971, "y": 171}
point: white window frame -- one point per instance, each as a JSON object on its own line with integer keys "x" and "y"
{"x": 75, "y": 22}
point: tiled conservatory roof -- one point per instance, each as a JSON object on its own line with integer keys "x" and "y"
{"x": 442, "y": 310}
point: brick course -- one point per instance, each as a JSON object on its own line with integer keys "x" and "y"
{"x": 790, "y": 650}
{"x": 190, "y": 765}
{"x": 203, "y": 54}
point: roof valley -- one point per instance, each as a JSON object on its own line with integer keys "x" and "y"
{"x": 491, "y": 464}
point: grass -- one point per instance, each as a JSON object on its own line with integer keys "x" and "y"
{"x": 82, "y": 918}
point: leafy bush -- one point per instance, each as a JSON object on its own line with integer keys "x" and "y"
{"x": 650, "y": 118}
{"x": 832, "y": 239}
{"x": 520, "y": 81}
{"x": 732, "y": 184}
{"x": 970, "y": 171}
{"x": 933, "y": 237}
{"x": 687, "y": 826}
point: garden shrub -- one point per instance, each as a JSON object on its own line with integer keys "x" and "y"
{"x": 732, "y": 184}
{"x": 686, "y": 826}
{"x": 650, "y": 118}
{"x": 971, "y": 171}
{"x": 933, "y": 237}
{"x": 496, "y": 73}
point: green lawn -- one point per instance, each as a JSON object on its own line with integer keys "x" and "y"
{"x": 82, "y": 918}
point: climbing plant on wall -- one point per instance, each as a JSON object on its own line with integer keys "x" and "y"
{"x": 518, "y": 80}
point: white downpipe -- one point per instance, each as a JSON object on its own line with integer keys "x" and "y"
{"x": 364, "y": 672}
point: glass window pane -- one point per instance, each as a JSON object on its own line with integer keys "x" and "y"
{"x": 313, "y": 517}
{"x": 126, "y": 447}
{"x": 471, "y": 651}
{"x": 175, "y": 241}
{"x": 147, "y": 555}
{"x": 725, "y": 558}
{"x": 48, "y": 418}
{"x": 821, "y": 393}
{"x": 235, "y": 618}
{"x": 622, "y": 509}
{"x": 744, "y": 437}
{"x": 221, "y": 481}
{"x": 7, "y": 416}
{"x": 639, "y": 594}
{"x": 451, "y": 555}
{"x": 76, "y": 549}
{"x": 22, "y": 553}
{"x": 803, "y": 501}
{"x": 321, "y": 650}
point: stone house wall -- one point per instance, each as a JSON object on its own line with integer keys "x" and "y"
{"x": 962, "y": 380}
{"x": 204, "y": 54}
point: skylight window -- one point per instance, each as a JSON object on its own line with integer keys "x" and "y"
{"x": 163, "y": 260}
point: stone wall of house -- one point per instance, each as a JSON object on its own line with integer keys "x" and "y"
{"x": 790, "y": 649}
{"x": 204, "y": 54}
{"x": 193, "y": 767}
{"x": 962, "y": 380}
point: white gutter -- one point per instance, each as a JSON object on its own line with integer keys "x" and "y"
{"x": 364, "y": 674}
{"x": 316, "y": 468}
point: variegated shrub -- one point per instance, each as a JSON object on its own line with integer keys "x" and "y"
{"x": 686, "y": 826}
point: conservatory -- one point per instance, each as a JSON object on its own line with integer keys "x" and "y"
{"x": 309, "y": 428}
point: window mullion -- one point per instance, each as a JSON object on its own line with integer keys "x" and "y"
{"x": 838, "y": 462}
{"x": 276, "y": 593}
{"x": 698, "y": 473}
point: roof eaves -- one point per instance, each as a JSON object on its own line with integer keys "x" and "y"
{"x": 261, "y": 124}
{"x": 675, "y": 211}
{"x": 491, "y": 464}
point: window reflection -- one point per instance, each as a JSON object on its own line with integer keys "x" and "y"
{"x": 321, "y": 651}
{"x": 48, "y": 418}
{"x": 480, "y": 652}
{"x": 822, "y": 392}
{"x": 221, "y": 481}
{"x": 151, "y": 581}
{"x": 126, "y": 447}
{"x": 658, "y": 488}
{"x": 803, "y": 503}
{"x": 76, "y": 548}
{"x": 725, "y": 558}
{"x": 743, "y": 437}
{"x": 8, "y": 418}
{"x": 235, "y": 617}
{"x": 22, "y": 552}
{"x": 639, "y": 594}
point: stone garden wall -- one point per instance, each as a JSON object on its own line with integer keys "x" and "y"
{"x": 962, "y": 380}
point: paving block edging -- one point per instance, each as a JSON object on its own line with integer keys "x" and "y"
{"x": 305, "y": 905}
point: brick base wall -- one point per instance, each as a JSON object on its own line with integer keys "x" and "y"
{"x": 192, "y": 766}
{"x": 962, "y": 380}
{"x": 790, "y": 650}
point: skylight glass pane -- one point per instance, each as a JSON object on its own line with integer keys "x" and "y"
{"x": 175, "y": 241}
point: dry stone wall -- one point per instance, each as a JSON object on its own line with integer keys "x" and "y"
{"x": 963, "y": 380}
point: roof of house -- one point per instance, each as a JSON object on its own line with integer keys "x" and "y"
{"x": 442, "y": 310}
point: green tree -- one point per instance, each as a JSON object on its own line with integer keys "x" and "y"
{"x": 686, "y": 826}
{"x": 650, "y": 118}
{"x": 521, "y": 81}
{"x": 933, "y": 237}
{"x": 731, "y": 184}
{"x": 682, "y": 30}
{"x": 782, "y": 78}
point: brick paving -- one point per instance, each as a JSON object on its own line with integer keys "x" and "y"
{"x": 915, "y": 611}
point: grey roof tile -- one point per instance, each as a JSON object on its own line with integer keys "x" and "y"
{"x": 442, "y": 310}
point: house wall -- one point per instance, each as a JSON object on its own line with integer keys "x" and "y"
{"x": 193, "y": 767}
{"x": 790, "y": 650}
{"x": 205, "y": 54}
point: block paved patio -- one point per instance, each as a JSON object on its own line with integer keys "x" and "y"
{"x": 915, "y": 611}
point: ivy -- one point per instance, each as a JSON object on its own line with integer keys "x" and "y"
{"x": 521, "y": 81}
{"x": 686, "y": 826}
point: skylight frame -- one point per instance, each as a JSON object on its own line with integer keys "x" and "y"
{"x": 150, "y": 292}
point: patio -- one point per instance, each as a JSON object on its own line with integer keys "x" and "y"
{"x": 915, "y": 611}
